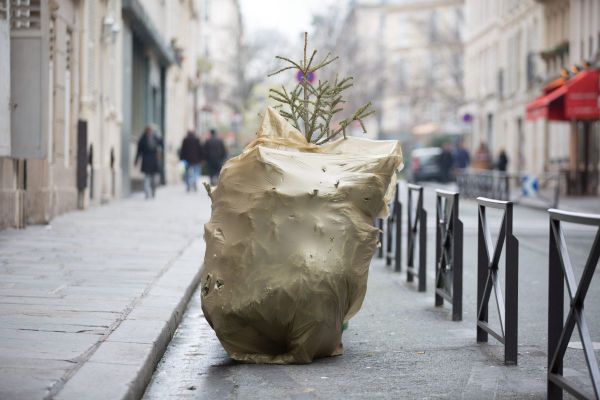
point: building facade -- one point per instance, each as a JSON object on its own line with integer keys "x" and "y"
{"x": 502, "y": 74}
{"x": 516, "y": 51}
{"x": 83, "y": 79}
{"x": 38, "y": 159}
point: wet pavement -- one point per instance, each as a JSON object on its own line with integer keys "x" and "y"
{"x": 399, "y": 345}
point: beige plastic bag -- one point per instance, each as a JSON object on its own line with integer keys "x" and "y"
{"x": 290, "y": 240}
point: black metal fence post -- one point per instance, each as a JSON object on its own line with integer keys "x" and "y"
{"x": 418, "y": 223}
{"x": 556, "y": 295}
{"x": 448, "y": 252}
{"x": 398, "y": 217}
{"x": 422, "y": 245}
{"x": 487, "y": 278}
{"x": 388, "y": 239}
{"x": 482, "y": 274}
{"x": 511, "y": 330}
{"x": 380, "y": 226}
{"x": 561, "y": 273}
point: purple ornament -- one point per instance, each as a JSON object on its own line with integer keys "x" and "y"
{"x": 310, "y": 77}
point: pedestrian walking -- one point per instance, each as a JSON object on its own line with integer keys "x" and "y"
{"x": 502, "y": 161}
{"x": 461, "y": 157}
{"x": 192, "y": 154}
{"x": 482, "y": 160}
{"x": 446, "y": 162}
{"x": 149, "y": 151}
{"x": 215, "y": 156}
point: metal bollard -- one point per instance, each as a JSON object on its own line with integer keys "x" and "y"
{"x": 398, "y": 218}
{"x": 417, "y": 224}
{"x": 487, "y": 278}
{"x": 380, "y": 226}
{"x": 448, "y": 252}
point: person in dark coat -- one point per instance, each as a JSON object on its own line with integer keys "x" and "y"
{"x": 192, "y": 153}
{"x": 461, "y": 157}
{"x": 149, "y": 151}
{"x": 502, "y": 162}
{"x": 446, "y": 161}
{"x": 215, "y": 156}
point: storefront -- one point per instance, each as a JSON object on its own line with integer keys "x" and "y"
{"x": 576, "y": 100}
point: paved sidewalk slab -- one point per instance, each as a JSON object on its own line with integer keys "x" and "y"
{"x": 89, "y": 303}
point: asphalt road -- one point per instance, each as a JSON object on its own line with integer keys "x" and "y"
{"x": 400, "y": 345}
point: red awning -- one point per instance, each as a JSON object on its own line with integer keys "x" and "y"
{"x": 578, "y": 98}
{"x": 550, "y": 106}
{"x": 583, "y": 97}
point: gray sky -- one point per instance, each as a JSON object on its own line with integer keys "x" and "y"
{"x": 290, "y": 17}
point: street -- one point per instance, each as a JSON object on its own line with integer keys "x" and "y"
{"x": 399, "y": 345}
{"x": 142, "y": 140}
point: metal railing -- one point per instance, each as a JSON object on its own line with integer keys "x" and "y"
{"x": 542, "y": 190}
{"x": 417, "y": 227}
{"x": 559, "y": 333}
{"x": 490, "y": 184}
{"x": 488, "y": 260}
{"x": 448, "y": 252}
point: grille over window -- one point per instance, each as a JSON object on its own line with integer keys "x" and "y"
{"x": 26, "y": 14}
{"x": 3, "y": 10}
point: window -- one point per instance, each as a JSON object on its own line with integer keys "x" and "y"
{"x": 4, "y": 79}
{"x": 26, "y": 14}
{"x": 3, "y": 10}
{"x": 207, "y": 10}
{"x": 433, "y": 27}
{"x": 501, "y": 83}
{"x": 402, "y": 78}
{"x": 404, "y": 28}
{"x": 29, "y": 78}
{"x": 490, "y": 131}
{"x": 90, "y": 49}
{"x": 67, "y": 105}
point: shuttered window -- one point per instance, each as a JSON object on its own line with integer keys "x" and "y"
{"x": 4, "y": 79}
{"x": 67, "y": 105}
{"x": 29, "y": 66}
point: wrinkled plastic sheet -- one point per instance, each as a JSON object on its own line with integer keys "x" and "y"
{"x": 290, "y": 240}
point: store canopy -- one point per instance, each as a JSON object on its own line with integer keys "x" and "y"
{"x": 144, "y": 28}
{"x": 577, "y": 99}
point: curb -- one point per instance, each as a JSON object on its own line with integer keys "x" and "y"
{"x": 123, "y": 364}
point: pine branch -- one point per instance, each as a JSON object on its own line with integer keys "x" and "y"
{"x": 316, "y": 105}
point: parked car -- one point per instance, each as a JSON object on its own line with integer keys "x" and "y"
{"x": 425, "y": 164}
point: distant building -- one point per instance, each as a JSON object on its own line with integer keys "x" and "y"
{"x": 407, "y": 56}
{"x": 220, "y": 78}
{"x": 502, "y": 73}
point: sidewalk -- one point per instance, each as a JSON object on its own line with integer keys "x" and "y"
{"x": 89, "y": 303}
